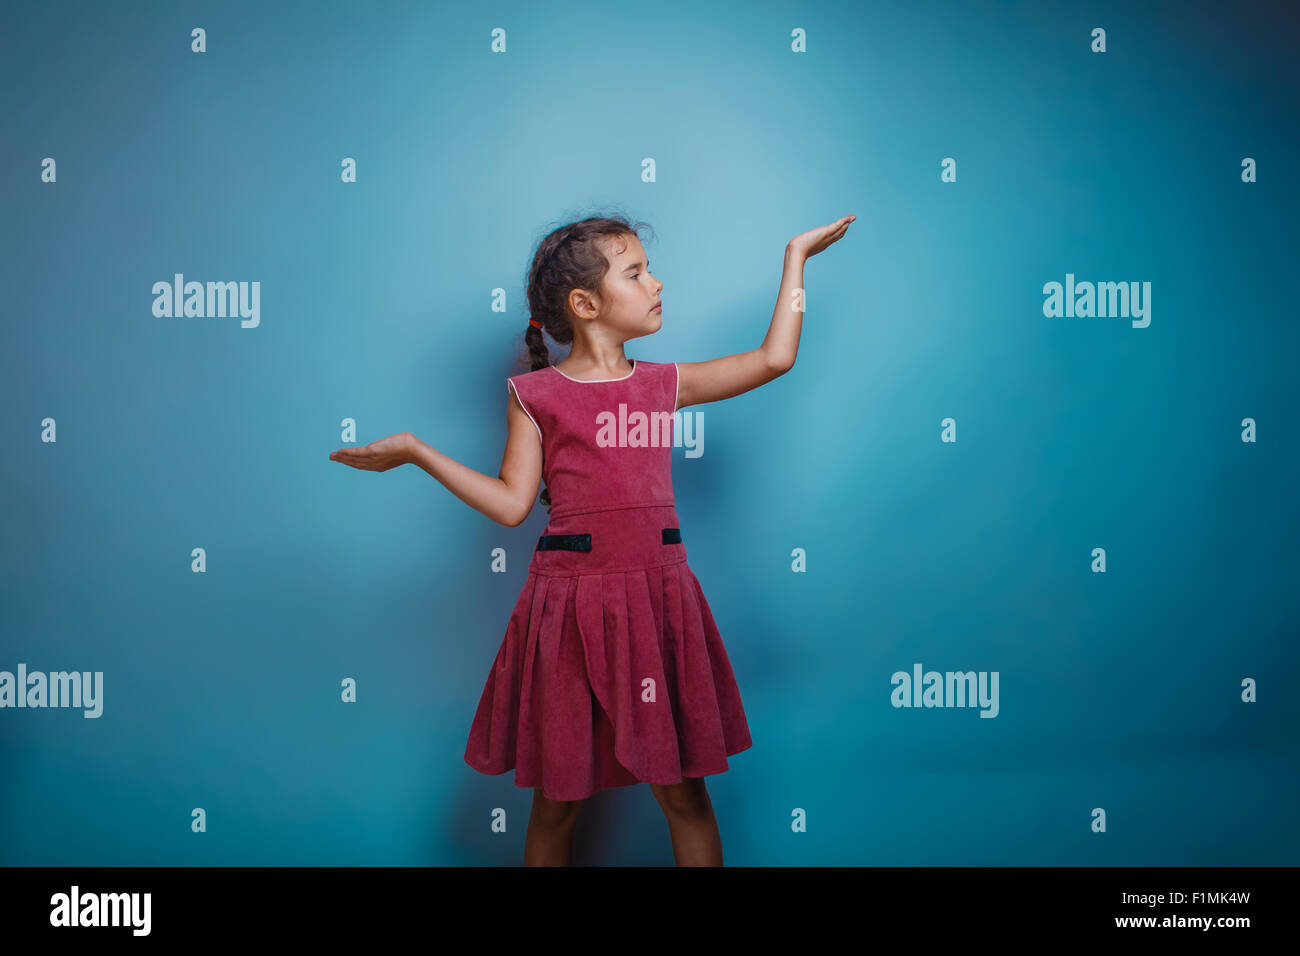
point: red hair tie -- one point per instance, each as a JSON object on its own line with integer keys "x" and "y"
{"x": 534, "y": 323}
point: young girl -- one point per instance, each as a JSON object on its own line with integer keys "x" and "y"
{"x": 612, "y": 671}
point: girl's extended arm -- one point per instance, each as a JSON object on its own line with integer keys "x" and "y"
{"x": 506, "y": 499}
{"x": 730, "y": 375}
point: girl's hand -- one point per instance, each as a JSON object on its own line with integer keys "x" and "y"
{"x": 379, "y": 455}
{"x": 815, "y": 240}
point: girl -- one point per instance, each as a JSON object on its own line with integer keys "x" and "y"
{"x": 612, "y": 671}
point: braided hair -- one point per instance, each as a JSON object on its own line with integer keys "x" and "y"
{"x": 568, "y": 258}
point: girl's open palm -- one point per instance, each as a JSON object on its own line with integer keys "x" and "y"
{"x": 378, "y": 455}
{"x": 815, "y": 240}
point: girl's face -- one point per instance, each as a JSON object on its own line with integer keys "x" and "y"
{"x": 629, "y": 294}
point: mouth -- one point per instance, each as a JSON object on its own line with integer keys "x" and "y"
{"x": 657, "y": 308}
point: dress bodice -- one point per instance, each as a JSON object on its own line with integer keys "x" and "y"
{"x": 606, "y": 443}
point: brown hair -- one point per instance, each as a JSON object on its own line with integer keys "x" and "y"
{"x": 567, "y": 258}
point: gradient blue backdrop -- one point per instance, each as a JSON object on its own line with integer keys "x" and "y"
{"x": 1118, "y": 690}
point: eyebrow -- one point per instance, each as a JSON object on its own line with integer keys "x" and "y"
{"x": 633, "y": 265}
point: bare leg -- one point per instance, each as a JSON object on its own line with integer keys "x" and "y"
{"x": 691, "y": 824}
{"x": 549, "y": 841}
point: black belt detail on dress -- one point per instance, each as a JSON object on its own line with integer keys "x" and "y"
{"x": 582, "y": 542}
{"x": 564, "y": 542}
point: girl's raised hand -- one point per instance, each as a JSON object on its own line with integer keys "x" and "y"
{"x": 815, "y": 240}
{"x": 378, "y": 455}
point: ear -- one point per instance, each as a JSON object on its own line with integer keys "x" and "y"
{"x": 585, "y": 305}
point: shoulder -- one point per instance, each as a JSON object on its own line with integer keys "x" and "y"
{"x": 535, "y": 383}
{"x": 664, "y": 377}
{"x": 536, "y": 390}
{"x": 664, "y": 371}
{"x": 529, "y": 377}
{"x": 668, "y": 369}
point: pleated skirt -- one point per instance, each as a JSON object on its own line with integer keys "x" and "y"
{"x": 607, "y": 678}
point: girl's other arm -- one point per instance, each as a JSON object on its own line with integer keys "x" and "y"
{"x": 700, "y": 382}
{"x": 507, "y": 499}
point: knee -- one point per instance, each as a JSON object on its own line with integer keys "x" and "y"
{"x": 554, "y": 812}
{"x": 682, "y": 799}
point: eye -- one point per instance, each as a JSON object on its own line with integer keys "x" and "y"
{"x": 634, "y": 275}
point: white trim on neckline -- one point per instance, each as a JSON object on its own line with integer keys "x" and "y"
{"x": 593, "y": 381}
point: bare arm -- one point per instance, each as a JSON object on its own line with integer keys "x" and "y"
{"x": 720, "y": 378}
{"x": 506, "y": 499}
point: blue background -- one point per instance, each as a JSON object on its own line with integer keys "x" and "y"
{"x": 1118, "y": 690}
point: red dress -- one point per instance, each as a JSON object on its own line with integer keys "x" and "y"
{"x": 612, "y": 671}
